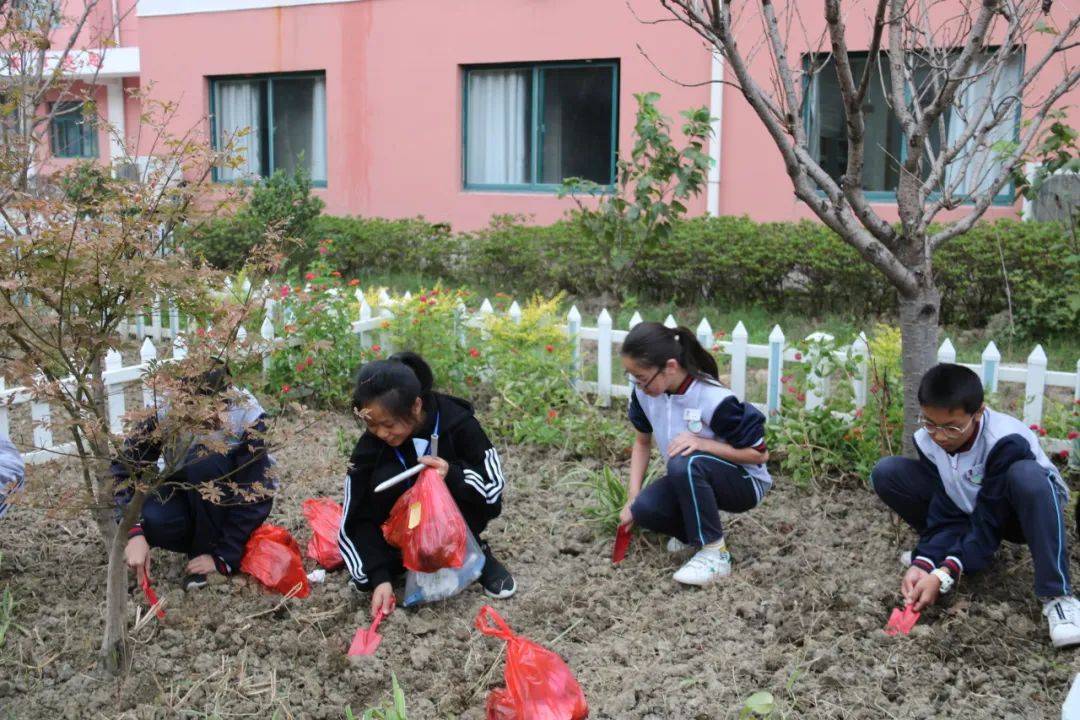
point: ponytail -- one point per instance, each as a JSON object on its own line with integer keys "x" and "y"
{"x": 394, "y": 383}
{"x": 652, "y": 344}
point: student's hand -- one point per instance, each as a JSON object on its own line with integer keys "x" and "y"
{"x": 201, "y": 565}
{"x": 137, "y": 556}
{"x": 441, "y": 466}
{"x": 383, "y": 599}
{"x": 911, "y": 578}
{"x": 926, "y": 592}
{"x": 686, "y": 443}
{"x": 625, "y": 516}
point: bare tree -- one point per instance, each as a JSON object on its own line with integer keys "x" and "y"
{"x": 950, "y": 72}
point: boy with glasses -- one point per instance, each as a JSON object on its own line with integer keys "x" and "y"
{"x": 981, "y": 477}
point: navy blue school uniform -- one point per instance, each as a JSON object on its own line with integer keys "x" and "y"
{"x": 475, "y": 481}
{"x": 687, "y": 501}
{"x": 214, "y": 500}
{"x": 1001, "y": 486}
{"x": 12, "y": 473}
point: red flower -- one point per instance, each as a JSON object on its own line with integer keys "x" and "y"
{"x": 335, "y": 273}
{"x": 801, "y": 397}
{"x": 1073, "y": 435}
{"x": 720, "y": 333}
{"x": 354, "y": 282}
{"x": 323, "y": 249}
{"x": 200, "y": 332}
{"x": 290, "y": 329}
{"x": 549, "y": 348}
{"x": 552, "y": 414}
{"x": 376, "y": 348}
{"x": 310, "y": 361}
{"x": 285, "y": 290}
{"x": 300, "y": 366}
{"x": 309, "y": 276}
{"x": 1034, "y": 426}
{"x": 874, "y": 389}
{"x": 798, "y": 356}
{"x": 792, "y": 389}
{"x": 473, "y": 352}
{"x": 285, "y": 389}
{"x": 423, "y": 298}
{"x": 1063, "y": 454}
{"x": 434, "y": 292}
{"x": 785, "y": 379}
{"x": 858, "y": 413}
{"x": 1042, "y": 432}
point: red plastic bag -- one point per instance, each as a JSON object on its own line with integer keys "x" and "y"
{"x": 272, "y": 557}
{"x": 426, "y": 525}
{"x": 539, "y": 685}
{"x": 324, "y": 516}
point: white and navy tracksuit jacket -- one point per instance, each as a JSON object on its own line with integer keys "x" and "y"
{"x": 964, "y": 522}
{"x": 475, "y": 481}
{"x": 709, "y": 410}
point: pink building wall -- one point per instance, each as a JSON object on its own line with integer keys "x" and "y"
{"x": 394, "y": 89}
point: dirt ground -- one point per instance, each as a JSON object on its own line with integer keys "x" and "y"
{"x": 815, "y": 577}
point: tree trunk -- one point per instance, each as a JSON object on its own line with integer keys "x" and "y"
{"x": 919, "y": 315}
{"x": 114, "y": 655}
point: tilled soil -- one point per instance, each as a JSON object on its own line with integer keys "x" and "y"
{"x": 816, "y": 574}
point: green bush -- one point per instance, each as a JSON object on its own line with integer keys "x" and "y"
{"x": 362, "y": 247}
{"x": 280, "y": 206}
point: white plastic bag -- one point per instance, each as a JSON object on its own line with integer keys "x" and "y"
{"x": 422, "y": 588}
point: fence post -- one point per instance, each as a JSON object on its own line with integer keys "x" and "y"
{"x": 946, "y": 353}
{"x": 461, "y": 314}
{"x": 603, "y": 358}
{"x": 1076, "y": 391}
{"x": 738, "y": 361}
{"x": 1035, "y": 386}
{"x": 266, "y": 330}
{"x": 515, "y": 312}
{"x": 147, "y": 355}
{"x": 705, "y": 335}
{"x": 140, "y": 324}
{"x": 115, "y": 393}
{"x": 41, "y": 420}
{"x": 174, "y": 319}
{"x": 155, "y": 319}
{"x": 991, "y": 359}
{"x": 179, "y": 347}
{"x": 860, "y": 352}
{"x": 5, "y": 424}
{"x": 819, "y": 359}
{"x": 635, "y": 319}
{"x": 573, "y": 331}
{"x": 776, "y": 371}
{"x": 669, "y": 321}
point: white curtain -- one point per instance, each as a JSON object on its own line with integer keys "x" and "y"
{"x": 318, "y": 131}
{"x": 977, "y": 165}
{"x": 237, "y": 107}
{"x": 813, "y": 100}
{"x": 497, "y": 136}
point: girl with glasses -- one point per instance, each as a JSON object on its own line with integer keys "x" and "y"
{"x": 712, "y": 443}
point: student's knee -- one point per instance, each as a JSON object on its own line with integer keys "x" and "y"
{"x": 887, "y": 474}
{"x": 644, "y": 512}
{"x": 678, "y": 466}
{"x": 1027, "y": 482}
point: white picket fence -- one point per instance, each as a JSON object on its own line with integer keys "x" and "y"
{"x": 600, "y": 341}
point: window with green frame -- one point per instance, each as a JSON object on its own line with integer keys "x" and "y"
{"x": 885, "y": 148}
{"x": 72, "y": 131}
{"x": 530, "y": 126}
{"x": 275, "y": 122}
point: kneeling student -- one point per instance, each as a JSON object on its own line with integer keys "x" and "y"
{"x": 219, "y": 494}
{"x": 980, "y": 478}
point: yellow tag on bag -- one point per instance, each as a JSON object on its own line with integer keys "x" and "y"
{"x": 414, "y": 515}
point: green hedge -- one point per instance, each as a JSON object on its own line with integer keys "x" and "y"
{"x": 795, "y": 267}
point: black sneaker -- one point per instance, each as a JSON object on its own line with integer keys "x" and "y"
{"x": 495, "y": 578}
{"x": 195, "y": 581}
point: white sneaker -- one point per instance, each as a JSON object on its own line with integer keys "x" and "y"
{"x": 1063, "y": 614}
{"x": 905, "y": 558}
{"x": 705, "y": 567}
{"x": 675, "y": 545}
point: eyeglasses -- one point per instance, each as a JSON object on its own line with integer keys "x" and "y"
{"x": 634, "y": 381}
{"x": 949, "y": 431}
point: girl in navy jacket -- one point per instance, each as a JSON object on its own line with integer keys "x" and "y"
{"x": 713, "y": 444}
